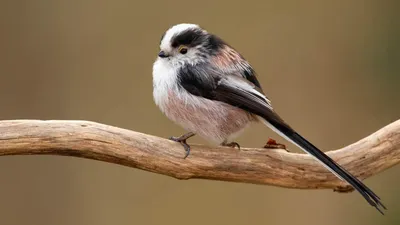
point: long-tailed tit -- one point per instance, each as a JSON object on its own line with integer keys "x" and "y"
{"x": 207, "y": 87}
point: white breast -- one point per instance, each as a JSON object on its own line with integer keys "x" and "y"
{"x": 164, "y": 79}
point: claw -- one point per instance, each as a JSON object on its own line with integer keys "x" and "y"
{"x": 182, "y": 139}
{"x": 231, "y": 144}
{"x": 186, "y": 147}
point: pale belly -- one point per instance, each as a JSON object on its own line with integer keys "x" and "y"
{"x": 214, "y": 121}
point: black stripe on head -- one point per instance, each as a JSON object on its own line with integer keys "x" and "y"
{"x": 191, "y": 37}
{"x": 214, "y": 44}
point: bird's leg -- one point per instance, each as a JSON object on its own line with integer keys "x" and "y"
{"x": 182, "y": 139}
{"x": 231, "y": 144}
{"x": 271, "y": 143}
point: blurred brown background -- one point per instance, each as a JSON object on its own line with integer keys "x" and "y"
{"x": 332, "y": 71}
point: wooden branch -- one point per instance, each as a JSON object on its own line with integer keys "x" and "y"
{"x": 365, "y": 158}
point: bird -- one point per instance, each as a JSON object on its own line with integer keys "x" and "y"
{"x": 206, "y": 86}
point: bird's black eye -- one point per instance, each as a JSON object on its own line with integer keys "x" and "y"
{"x": 182, "y": 49}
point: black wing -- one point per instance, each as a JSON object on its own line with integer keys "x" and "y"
{"x": 213, "y": 84}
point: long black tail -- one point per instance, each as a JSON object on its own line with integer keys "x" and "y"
{"x": 335, "y": 168}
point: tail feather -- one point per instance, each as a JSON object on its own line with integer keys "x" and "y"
{"x": 292, "y": 136}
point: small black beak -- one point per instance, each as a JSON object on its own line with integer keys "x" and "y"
{"x": 162, "y": 54}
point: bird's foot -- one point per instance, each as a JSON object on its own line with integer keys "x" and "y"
{"x": 231, "y": 144}
{"x": 182, "y": 139}
{"x": 271, "y": 143}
